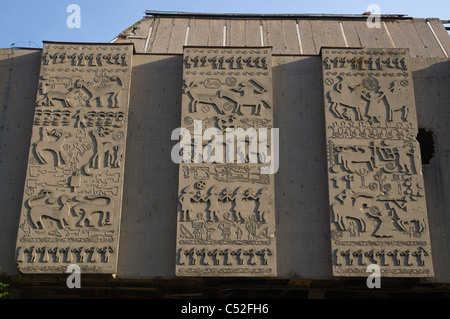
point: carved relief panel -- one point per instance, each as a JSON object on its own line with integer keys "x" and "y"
{"x": 226, "y": 209}
{"x": 376, "y": 190}
{"x": 73, "y": 189}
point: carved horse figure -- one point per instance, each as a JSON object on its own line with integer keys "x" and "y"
{"x": 100, "y": 93}
{"x": 247, "y": 95}
{"x": 346, "y": 210}
{"x": 205, "y": 98}
{"x": 103, "y": 205}
{"x": 50, "y": 95}
{"x": 53, "y": 146}
{"x": 347, "y": 96}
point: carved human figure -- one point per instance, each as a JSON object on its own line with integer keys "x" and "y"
{"x": 186, "y": 204}
{"x": 385, "y": 221}
{"x": 252, "y": 226}
{"x": 376, "y": 109}
{"x": 226, "y": 225}
{"x": 265, "y": 203}
{"x": 214, "y": 206}
{"x": 199, "y": 224}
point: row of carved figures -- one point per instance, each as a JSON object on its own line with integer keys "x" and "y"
{"x": 370, "y": 63}
{"x": 47, "y": 117}
{"x": 64, "y": 255}
{"x": 223, "y": 257}
{"x": 214, "y": 199}
{"x": 84, "y": 59}
{"x": 108, "y": 153}
{"x": 382, "y": 257}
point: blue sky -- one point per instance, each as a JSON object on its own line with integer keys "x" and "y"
{"x": 28, "y": 23}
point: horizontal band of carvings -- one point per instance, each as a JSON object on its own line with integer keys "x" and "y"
{"x": 224, "y": 270}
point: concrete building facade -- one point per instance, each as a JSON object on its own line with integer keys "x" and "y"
{"x": 146, "y": 260}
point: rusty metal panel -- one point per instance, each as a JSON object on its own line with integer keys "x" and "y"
{"x": 72, "y": 200}
{"x": 378, "y": 213}
{"x": 226, "y": 212}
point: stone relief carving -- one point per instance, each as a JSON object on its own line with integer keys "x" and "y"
{"x": 73, "y": 189}
{"x": 376, "y": 190}
{"x": 226, "y": 210}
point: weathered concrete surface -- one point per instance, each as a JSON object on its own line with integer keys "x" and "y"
{"x": 226, "y": 216}
{"x": 376, "y": 189}
{"x": 148, "y": 229}
{"x": 73, "y": 190}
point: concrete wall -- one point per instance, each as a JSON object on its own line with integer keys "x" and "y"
{"x": 148, "y": 229}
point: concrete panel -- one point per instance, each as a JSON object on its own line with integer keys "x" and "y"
{"x": 148, "y": 229}
{"x": 73, "y": 188}
{"x": 376, "y": 189}
{"x": 226, "y": 216}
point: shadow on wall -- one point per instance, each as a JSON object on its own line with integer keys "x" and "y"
{"x": 16, "y": 119}
{"x": 303, "y": 227}
{"x": 147, "y": 248}
{"x": 148, "y": 229}
{"x": 431, "y": 82}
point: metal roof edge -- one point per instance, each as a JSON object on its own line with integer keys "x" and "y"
{"x": 269, "y": 16}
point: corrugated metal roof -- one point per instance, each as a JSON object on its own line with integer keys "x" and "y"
{"x": 168, "y": 32}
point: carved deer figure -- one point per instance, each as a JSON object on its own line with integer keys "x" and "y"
{"x": 409, "y": 217}
{"x": 397, "y": 100}
{"x": 59, "y": 214}
{"x": 103, "y": 149}
{"x": 53, "y": 146}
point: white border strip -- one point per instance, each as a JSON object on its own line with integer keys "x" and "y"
{"x": 437, "y": 39}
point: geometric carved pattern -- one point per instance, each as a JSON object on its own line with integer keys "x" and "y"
{"x": 376, "y": 189}
{"x": 73, "y": 189}
{"x": 226, "y": 211}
